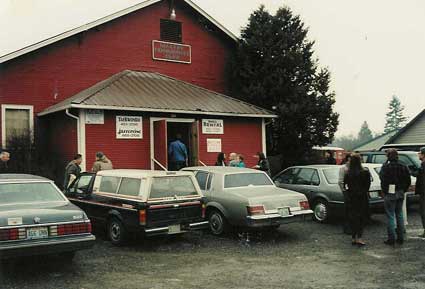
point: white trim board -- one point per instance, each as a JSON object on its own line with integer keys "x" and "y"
{"x": 30, "y": 108}
{"x": 105, "y": 19}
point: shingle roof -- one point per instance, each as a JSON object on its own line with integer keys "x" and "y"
{"x": 149, "y": 91}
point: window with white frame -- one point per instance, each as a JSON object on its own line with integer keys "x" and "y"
{"x": 17, "y": 123}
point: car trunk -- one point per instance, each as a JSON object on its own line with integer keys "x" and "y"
{"x": 272, "y": 198}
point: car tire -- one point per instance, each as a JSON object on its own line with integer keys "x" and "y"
{"x": 217, "y": 222}
{"x": 321, "y": 210}
{"x": 117, "y": 233}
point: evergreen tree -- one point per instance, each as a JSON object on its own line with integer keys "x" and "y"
{"x": 365, "y": 134}
{"x": 395, "y": 118}
{"x": 274, "y": 68}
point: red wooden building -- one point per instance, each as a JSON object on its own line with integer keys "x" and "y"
{"x": 126, "y": 84}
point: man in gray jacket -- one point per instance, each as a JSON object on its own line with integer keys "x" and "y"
{"x": 102, "y": 163}
{"x": 72, "y": 170}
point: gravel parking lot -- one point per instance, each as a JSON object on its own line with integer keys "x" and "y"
{"x": 306, "y": 255}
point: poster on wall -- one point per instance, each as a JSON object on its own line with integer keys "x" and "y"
{"x": 129, "y": 127}
{"x": 212, "y": 126}
{"x": 95, "y": 116}
{"x": 213, "y": 145}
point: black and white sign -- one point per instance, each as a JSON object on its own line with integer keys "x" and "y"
{"x": 213, "y": 145}
{"x": 212, "y": 126}
{"x": 95, "y": 116}
{"x": 129, "y": 127}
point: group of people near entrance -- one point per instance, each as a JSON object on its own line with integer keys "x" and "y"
{"x": 395, "y": 181}
{"x": 237, "y": 160}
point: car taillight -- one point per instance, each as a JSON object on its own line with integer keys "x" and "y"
{"x": 12, "y": 234}
{"x": 304, "y": 205}
{"x": 142, "y": 217}
{"x": 204, "y": 210}
{"x": 256, "y": 210}
{"x": 70, "y": 229}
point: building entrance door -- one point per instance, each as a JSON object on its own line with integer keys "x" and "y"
{"x": 165, "y": 131}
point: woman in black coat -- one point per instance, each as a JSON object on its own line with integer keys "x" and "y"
{"x": 221, "y": 160}
{"x": 357, "y": 183}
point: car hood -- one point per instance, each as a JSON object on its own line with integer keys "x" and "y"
{"x": 271, "y": 197}
{"x": 47, "y": 213}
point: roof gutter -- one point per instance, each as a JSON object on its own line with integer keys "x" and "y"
{"x": 121, "y": 108}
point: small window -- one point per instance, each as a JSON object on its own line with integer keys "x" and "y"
{"x": 129, "y": 187}
{"x": 201, "y": 177}
{"x": 169, "y": 187}
{"x": 304, "y": 177}
{"x": 210, "y": 177}
{"x": 246, "y": 180}
{"x": 17, "y": 124}
{"x": 379, "y": 159}
{"x": 331, "y": 175}
{"x": 82, "y": 184}
{"x": 315, "y": 180}
{"x": 287, "y": 177}
{"x": 109, "y": 184}
{"x": 171, "y": 30}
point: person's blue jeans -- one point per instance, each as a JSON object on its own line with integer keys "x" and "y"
{"x": 394, "y": 212}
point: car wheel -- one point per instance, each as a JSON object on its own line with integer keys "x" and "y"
{"x": 217, "y": 222}
{"x": 116, "y": 232}
{"x": 321, "y": 210}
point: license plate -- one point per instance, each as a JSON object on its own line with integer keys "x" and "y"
{"x": 37, "y": 233}
{"x": 374, "y": 195}
{"x": 284, "y": 212}
{"x": 174, "y": 229}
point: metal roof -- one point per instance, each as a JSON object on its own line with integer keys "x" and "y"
{"x": 21, "y": 177}
{"x": 222, "y": 170}
{"x": 153, "y": 92}
{"x": 376, "y": 143}
{"x": 87, "y": 26}
{"x": 136, "y": 173}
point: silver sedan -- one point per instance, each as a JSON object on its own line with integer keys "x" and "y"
{"x": 247, "y": 198}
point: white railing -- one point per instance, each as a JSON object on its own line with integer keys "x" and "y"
{"x": 160, "y": 165}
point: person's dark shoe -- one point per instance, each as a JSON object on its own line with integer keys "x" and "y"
{"x": 400, "y": 241}
{"x": 389, "y": 242}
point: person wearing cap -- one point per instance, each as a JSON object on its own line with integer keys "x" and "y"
{"x": 395, "y": 180}
{"x": 420, "y": 187}
{"x": 102, "y": 163}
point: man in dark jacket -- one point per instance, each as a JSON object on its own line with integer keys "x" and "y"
{"x": 420, "y": 187}
{"x": 330, "y": 160}
{"x": 4, "y": 162}
{"x": 395, "y": 180}
{"x": 72, "y": 170}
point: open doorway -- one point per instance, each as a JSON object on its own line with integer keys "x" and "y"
{"x": 189, "y": 137}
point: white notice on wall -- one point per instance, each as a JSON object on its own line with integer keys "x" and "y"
{"x": 212, "y": 126}
{"x": 213, "y": 145}
{"x": 95, "y": 116}
{"x": 129, "y": 127}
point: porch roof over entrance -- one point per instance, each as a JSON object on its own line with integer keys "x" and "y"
{"x": 155, "y": 92}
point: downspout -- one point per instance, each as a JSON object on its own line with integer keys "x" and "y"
{"x": 78, "y": 129}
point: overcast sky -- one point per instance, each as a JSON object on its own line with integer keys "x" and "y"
{"x": 374, "y": 49}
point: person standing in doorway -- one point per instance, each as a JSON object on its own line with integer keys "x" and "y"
{"x": 420, "y": 188}
{"x": 357, "y": 184}
{"x": 72, "y": 170}
{"x": 395, "y": 180}
{"x": 263, "y": 163}
{"x": 4, "y": 162}
{"x": 342, "y": 172}
{"x": 221, "y": 160}
{"x": 330, "y": 160}
{"x": 102, "y": 163}
{"x": 177, "y": 152}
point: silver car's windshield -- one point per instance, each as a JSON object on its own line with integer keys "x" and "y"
{"x": 245, "y": 180}
{"x": 29, "y": 193}
{"x": 332, "y": 175}
{"x": 166, "y": 187}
